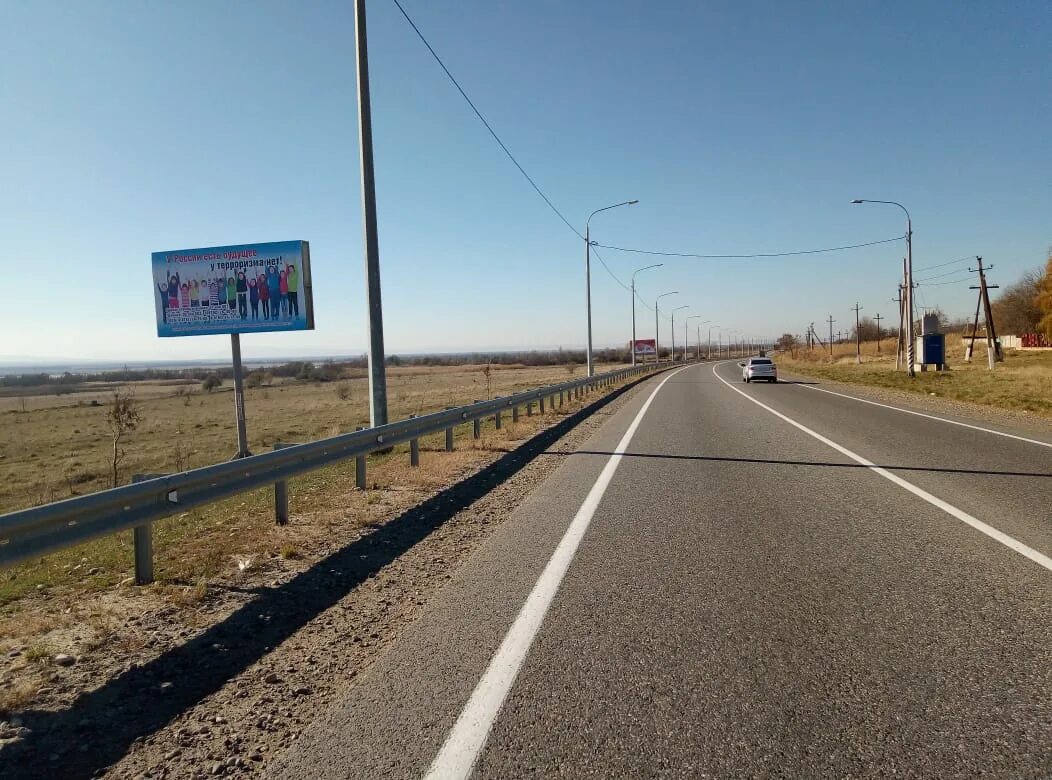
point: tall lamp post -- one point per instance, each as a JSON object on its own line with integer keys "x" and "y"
{"x": 657, "y": 332}
{"x": 646, "y": 268}
{"x": 672, "y": 329}
{"x": 708, "y": 342}
{"x": 588, "y": 276}
{"x": 377, "y": 371}
{"x": 911, "y": 369}
{"x": 688, "y": 319}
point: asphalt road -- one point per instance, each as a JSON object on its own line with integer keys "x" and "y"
{"x": 735, "y": 597}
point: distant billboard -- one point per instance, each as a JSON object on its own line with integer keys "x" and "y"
{"x": 645, "y": 346}
{"x": 246, "y": 288}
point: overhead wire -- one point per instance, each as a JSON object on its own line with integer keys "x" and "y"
{"x": 749, "y": 256}
{"x": 940, "y": 284}
{"x": 612, "y": 274}
{"x": 940, "y": 265}
{"x": 940, "y": 276}
{"x": 478, "y": 113}
{"x": 565, "y": 221}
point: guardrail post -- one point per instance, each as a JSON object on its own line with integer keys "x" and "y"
{"x": 449, "y": 435}
{"x": 359, "y": 467}
{"x": 514, "y": 414}
{"x": 542, "y": 404}
{"x": 281, "y": 495}
{"x": 143, "y": 539}
{"x": 496, "y": 420}
{"x": 414, "y": 449}
{"x": 560, "y": 398}
{"x": 529, "y": 408}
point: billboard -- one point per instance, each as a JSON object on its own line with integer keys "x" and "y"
{"x": 645, "y": 346}
{"x": 246, "y": 288}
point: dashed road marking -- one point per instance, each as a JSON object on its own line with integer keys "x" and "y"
{"x": 1014, "y": 544}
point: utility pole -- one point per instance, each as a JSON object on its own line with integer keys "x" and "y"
{"x": 898, "y": 341}
{"x": 831, "y": 321}
{"x": 907, "y": 305}
{"x": 993, "y": 349}
{"x": 858, "y": 336}
{"x": 878, "y": 318}
{"x": 377, "y": 370}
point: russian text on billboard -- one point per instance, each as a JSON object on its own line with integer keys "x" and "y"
{"x": 245, "y": 288}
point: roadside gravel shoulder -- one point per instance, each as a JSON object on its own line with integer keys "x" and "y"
{"x": 222, "y": 686}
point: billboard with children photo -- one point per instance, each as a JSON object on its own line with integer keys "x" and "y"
{"x": 233, "y": 289}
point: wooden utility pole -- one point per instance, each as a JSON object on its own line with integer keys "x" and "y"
{"x": 831, "y": 321}
{"x": 878, "y": 318}
{"x": 993, "y": 348}
{"x": 814, "y": 337}
{"x": 858, "y": 335}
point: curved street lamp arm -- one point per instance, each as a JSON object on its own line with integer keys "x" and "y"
{"x": 607, "y": 208}
{"x": 646, "y": 268}
{"x": 888, "y": 202}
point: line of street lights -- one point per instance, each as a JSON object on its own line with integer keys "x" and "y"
{"x": 908, "y": 291}
{"x": 632, "y": 289}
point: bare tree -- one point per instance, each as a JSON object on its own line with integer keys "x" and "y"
{"x": 122, "y": 416}
{"x": 1044, "y": 299}
{"x": 1016, "y": 309}
{"x": 788, "y": 342}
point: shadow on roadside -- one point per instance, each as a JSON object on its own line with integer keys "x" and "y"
{"x": 100, "y": 726}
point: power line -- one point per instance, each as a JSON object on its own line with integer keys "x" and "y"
{"x": 940, "y": 276}
{"x": 484, "y": 122}
{"x": 940, "y": 265}
{"x": 560, "y": 215}
{"x": 940, "y": 284}
{"x": 749, "y": 256}
{"x": 612, "y": 274}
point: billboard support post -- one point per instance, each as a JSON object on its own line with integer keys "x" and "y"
{"x": 239, "y": 397}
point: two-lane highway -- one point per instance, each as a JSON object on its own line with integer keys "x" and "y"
{"x": 734, "y": 580}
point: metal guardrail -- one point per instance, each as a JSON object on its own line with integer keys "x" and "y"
{"x": 43, "y": 529}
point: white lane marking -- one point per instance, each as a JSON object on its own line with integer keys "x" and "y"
{"x": 468, "y": 735}
{"x": 932, "y": 417}
{"x": 950, "y": 509}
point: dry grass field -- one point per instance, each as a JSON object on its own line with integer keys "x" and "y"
{"x": 1023, "y": 382}
{"x": 60, "y": 447}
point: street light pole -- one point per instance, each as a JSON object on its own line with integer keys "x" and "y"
{"x": 657, "y": 332}
{"x": 708, "y": 343}
{"x": 688, "y": 319}
{"x": 647, "y": 268}
{"x": 377, "y": 371}
{"x": 588, "y": 275}
{"x": 911, "y": 369}
{"x": 672, "y": 330}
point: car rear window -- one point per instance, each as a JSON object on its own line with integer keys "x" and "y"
{"x": 758, "y": 362}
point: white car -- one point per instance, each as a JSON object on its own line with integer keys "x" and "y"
{"x": 759, "y": 368}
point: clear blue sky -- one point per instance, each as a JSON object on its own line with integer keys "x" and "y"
{"x": 740, "y": 126}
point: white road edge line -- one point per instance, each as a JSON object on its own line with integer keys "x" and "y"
{"x": 466, "y": 739}
{"x": 931, "y": 417}
{"x": 950, "y": 509}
